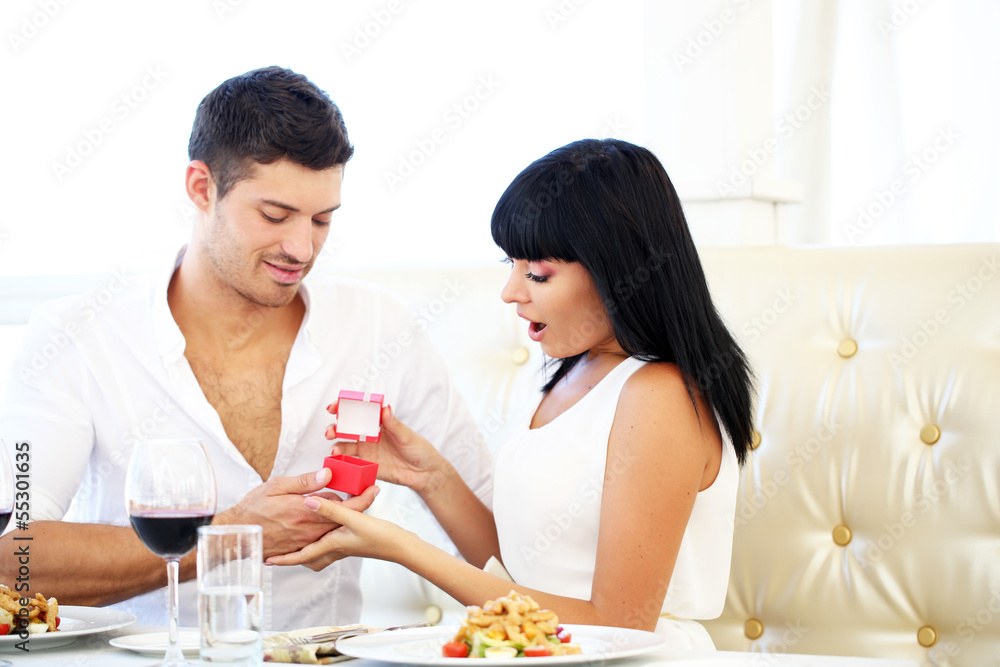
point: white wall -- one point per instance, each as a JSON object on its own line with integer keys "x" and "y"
{"x": 468, "y": 92}
{"x": 448, "y": 99}
{"x": 709, "y": 88}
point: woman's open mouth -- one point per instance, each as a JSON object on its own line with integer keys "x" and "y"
{"x": 535, "y": 330}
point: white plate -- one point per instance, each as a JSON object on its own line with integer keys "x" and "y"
{"x": 74, "y": 622}
{"x": 154, "y": 644}
{"x": 422, "y": 646}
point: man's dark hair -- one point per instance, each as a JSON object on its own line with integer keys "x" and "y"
{"x": 610, "y": 206}
{"x": 264, "y": 116}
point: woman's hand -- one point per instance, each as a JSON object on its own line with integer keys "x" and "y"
{"x": 406, "y": 458}
{"x": 358, "y": 535}
{"x": 403, "y": 456}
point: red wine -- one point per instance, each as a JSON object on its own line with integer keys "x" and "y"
{"x": 169, "y": 534}
{"x": 4, "y": 518}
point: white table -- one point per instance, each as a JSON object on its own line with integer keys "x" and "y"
{"x": 94, "y": 651}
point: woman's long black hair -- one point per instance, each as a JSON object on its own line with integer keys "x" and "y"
{"x": 610, "y": 206}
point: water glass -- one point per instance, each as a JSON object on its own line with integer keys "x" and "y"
{"x": 230, "y": 594}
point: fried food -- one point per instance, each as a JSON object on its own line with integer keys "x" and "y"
{"x": 514, "y": 620}
{"x": 41, "y": 614}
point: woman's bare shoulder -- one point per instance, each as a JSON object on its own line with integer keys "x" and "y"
{"x": 656, "y": 379}
{"x": 659, "y": 389}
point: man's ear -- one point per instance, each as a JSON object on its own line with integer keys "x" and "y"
{"x": 199, "y": 184}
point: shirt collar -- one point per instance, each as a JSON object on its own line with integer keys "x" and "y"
{"x": 170, "y": 343}
{"x": 305, "y": 358}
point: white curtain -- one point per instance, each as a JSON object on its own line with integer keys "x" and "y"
{"x": 905, "y": 149}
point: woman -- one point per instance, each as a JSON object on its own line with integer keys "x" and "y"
{"x": 615, "y": 504}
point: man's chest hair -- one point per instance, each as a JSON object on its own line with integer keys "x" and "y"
{"x": 248, "y": 402}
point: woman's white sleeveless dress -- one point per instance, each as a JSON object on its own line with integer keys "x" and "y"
{"x": 548, "y": 485}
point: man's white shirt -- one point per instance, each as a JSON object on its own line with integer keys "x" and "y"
{"x": 114, "y": 373}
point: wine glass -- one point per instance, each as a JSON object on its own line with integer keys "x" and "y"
{"x": 6, "y": 488}
{"x": 169, "y": 493}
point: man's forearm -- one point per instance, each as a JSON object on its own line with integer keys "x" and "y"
{"x": 84, "y": 563}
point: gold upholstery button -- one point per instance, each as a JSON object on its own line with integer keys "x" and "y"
{"x": 754, "y": 439}
{"x": 927, "y": 636}
{"x": 847, "y": 348}
{"x": 842, "y": 535}
{"x": 433, "y": 614}
{"x": 753, "y": 629}
{"x": 930, "y": 434}
{"x": 520, "y": 355}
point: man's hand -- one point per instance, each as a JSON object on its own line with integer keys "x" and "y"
{"x": 357, "y": 535}
{"x": 277, "y": 507}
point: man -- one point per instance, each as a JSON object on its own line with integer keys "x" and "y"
{"x": 229, "y": 346}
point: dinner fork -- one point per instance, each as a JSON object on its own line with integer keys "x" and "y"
{"x": 351, "y": 632}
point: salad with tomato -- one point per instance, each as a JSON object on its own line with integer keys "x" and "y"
{"x": 42, "y": 614}
{"x": 483, "y": 646}
{"x": 509, "y": 627}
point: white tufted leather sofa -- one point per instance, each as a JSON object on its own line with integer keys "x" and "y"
{"x": 868, "y": 520}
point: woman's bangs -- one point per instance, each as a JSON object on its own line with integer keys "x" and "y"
{"x": 527, "y": 224}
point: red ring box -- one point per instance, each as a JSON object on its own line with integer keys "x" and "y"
{"x": 359, "y": 416}
{"x": 350, "y": 474}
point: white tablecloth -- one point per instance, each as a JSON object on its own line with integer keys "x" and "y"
{"x": 95, "y": 651}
